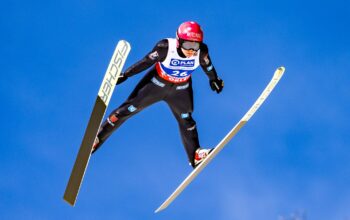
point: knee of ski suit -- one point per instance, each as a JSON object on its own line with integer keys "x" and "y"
{"x": 124, "y": 112}
{"x": 187, "y": 121}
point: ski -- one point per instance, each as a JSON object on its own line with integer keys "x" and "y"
{"x": 104, "y": 96}
{"x": 275, "y": 79}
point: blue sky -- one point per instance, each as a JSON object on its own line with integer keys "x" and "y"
{"x": 293, "y": 156}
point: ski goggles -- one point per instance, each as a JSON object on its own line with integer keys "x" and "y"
{"x": 190, "y": 45}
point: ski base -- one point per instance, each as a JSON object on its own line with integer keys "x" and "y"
{"x": 84, "y": 153}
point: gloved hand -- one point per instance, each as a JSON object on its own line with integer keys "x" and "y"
{"x": 217, "y": 84}
{"x": 121, "y": 78}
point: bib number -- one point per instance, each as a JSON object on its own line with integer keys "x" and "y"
{"x": 177, "y": 73}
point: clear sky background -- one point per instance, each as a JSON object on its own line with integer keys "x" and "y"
{"x": 292, "y": 156}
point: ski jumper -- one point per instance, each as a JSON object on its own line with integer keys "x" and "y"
{"x": 169, "y": 80}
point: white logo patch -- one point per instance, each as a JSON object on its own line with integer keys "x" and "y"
{"x": 154, "y": 55}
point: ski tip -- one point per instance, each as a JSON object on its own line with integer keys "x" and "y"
{"x": 124, "y": 42}
{"x": 279, "y": 71}
{"x": 281, "y": 68}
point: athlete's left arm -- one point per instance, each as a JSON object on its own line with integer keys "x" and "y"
{"x": 215, "y": 82}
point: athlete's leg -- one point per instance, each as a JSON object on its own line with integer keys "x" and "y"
{"x": 180, "y": 102}
{"x": 145, "y": 94}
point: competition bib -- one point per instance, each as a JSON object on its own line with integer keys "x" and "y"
{"x": 174, "y": 68}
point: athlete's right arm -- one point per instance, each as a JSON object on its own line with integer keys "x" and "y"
{"x": 158, "y": 53}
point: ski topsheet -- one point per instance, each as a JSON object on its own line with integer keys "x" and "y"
{"x": 275, "y": 79}
{"x": 104, "y": 96}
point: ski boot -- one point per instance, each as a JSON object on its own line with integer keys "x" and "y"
{"x": 200, "y": 155}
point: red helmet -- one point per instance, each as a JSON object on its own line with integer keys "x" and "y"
{"x": 190, "y": 31}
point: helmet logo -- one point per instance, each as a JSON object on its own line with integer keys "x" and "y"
{"x": 193, "y": 35}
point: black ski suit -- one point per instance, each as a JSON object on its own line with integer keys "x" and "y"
{"x": 152, "y": 88}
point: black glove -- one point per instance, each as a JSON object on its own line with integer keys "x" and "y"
{"x": 121, "y": 78}
{"x": 217, "y": 84}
